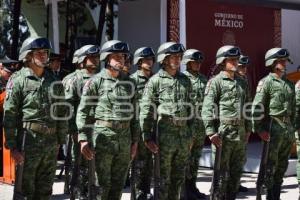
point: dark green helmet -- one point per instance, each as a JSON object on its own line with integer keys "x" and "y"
{"x": 192, "y": 55}
{"x": 227, "y": 51}
{"x": 143, "y": 52}
{"x": 167, "y": 49}
{"x": 276, "y": 53}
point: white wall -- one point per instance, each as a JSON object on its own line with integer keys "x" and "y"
{"x": 139, "y": 23}
{"x": 291, "y": 35}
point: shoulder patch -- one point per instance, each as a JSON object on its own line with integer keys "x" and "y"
{"x": 260, "y": 85}
{"x": 86, "y": 86}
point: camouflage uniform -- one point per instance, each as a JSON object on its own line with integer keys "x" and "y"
{"x": 297, "y": 127}
{"x": 73, "y": 85}
{"x": 199, "y": 82}
{"x": 277, "y": 96}
{"x": 230, "y": 96}
{"x": 110, "y": 102}
{"x": 29, "y": 104}
{"x": 112, "y": 135}
{"x": 171, "y": 95}
{"x": 144, "y": 157}
{"x": 73, "y": 89}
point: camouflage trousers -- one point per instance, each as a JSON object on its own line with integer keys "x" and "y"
{"x": 282, "y": 138}
{"x": 112, "y": 161}
{"x": 195, "y": 157}
{"x": 174, "y": 144}
{"x": 232, "y": 158}
{"x": 144, "y": 166}
{"x": 79, "y": 178}
{"x": 39, "y": 165}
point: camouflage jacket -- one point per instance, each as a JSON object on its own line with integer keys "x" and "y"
{"x": 73, "y": 84}
{"x": 199, "y": 82}
{"x": 171, "y": 97}
{"x": 276, "y": 97}
{"x": 34, "y": 99}
{"x": 109, "y": 99}
{"x": 223, "y": 104}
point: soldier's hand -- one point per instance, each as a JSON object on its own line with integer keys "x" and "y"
{"x": 216, "y": 140}
{"x": 17, "y": 156}
{"x": 151, "y": 146}
{"x": 86, "y": 150}
{"x": 265, "y": 136}
{"x": 133, "y": 150}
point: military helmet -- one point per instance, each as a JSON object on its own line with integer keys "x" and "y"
{"x": 192, "y": 55}
{"x": 244, "y": 60}
{"x": 32, "y": 43}
{"x": 276, "y": 53}
{"x": 75, "y": 56}
{"x": 87, "y": 50}
{"x": 227, "y": 51}
{"x": 143, "y": 52}
{"x": 113, "y": 46}
{"x": 167, "y": 49}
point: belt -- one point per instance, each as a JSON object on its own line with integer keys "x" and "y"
{"x": 173, "y": 120}
{"x": 234, "y": 122}
{"x": 284, "y": 119}
{"x": 39, "y": 128}
{"x": 114, "y": 124}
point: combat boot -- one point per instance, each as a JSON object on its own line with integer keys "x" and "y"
{"x": 276, "y": 192}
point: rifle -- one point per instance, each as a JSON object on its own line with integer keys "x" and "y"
{"x": 133, "y": 180}
{"x": 67, "y": 166}
{"x": 156, "y": 165}
{"x": 19, "y": 174}
{"x": 75, "y": 175}
{"x": 216, "y": 193}
{"x": 262, "y": 167}
{"x": 92, "y": 193}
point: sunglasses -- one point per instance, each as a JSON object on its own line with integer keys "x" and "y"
{"x": 283, "y": 53}
{"x": 147, "y": 52}
{"x": 197, "y": 56}
{"x": 234, "y": 52}
{"x": 121, "y": 46}
{"x": 244, "y": 60}
{"x": 93, "y": 50}
{"x": 176, "y": 48}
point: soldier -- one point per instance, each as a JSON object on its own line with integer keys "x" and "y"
{"x": 242, "y": 73}
{"x": 33, "y": 103}
{"x": 114, "y": 138}
{"x": 273, "y": 115}
{"x": 55, "y": 66}
{"x": 75, "y": 59}
{"x": 144, "y": 58}
{"x": 88, "y": 55}
{"x": 297, "y": 133}
{"x": 128, "y": 64}
{"x": 7, "y": 67}
{"x": 225, "y": 124}
{"x": 193, "y": 59}
{"x": 166, "y": 98}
